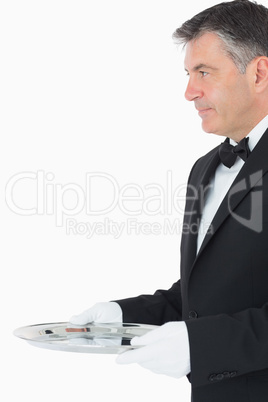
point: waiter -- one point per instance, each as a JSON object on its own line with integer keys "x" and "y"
{"x": 214, "y": 320}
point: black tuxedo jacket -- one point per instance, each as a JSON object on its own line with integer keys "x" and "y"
{"x": 223, "y": 291}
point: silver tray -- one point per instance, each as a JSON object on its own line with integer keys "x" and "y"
{"x": 90, "y": 338}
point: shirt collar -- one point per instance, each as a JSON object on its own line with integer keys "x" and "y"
{"x": 255, "y": 134}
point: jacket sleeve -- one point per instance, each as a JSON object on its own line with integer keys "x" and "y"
{"x": 226, "y": 346}
{"x": 156, "y": 309}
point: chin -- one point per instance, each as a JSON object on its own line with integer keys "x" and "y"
{"x": 213, "y": 130}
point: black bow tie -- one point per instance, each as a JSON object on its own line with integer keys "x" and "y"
{"x": 228, "y": 153}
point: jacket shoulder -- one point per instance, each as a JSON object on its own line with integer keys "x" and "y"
{"x": 204, "y": 162}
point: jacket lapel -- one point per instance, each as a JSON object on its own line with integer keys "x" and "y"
{"x": 194, "y": 209}
{"x": 249, "y": 177}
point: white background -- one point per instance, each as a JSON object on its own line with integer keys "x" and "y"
{"x": 88, "y": 86}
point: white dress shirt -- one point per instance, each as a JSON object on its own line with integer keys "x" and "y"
{"x": 222, "y": 180}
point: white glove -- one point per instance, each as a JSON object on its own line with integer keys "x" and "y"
{"x": 166, "y": 350}
{"x": 105, "y": 312}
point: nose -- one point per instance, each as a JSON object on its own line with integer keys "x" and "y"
{"x": 193, "y": 91}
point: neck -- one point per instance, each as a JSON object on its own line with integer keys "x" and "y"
{"x": 239, "y": 135}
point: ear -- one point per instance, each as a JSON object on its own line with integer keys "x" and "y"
{"x": 261, "y": 73}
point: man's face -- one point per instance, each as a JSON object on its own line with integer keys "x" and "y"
{"x": 222, "y": 95}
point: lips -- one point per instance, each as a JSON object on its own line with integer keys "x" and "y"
{"x": 203, "y": 111}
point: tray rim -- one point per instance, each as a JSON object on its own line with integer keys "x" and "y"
{"x": 55, "y": 344}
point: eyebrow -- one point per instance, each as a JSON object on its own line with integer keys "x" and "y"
{"x": 202, "y": 66}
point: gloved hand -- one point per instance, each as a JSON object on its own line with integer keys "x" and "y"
{"x": 166, "y": 350}
{"x": 105, "y": 312}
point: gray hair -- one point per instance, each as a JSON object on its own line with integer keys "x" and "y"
{"x": 242, "y": 25}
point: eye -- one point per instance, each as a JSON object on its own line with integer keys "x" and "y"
{"x": 203, "y": 73}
